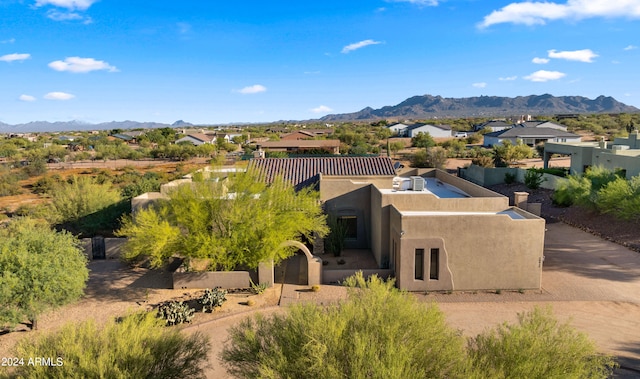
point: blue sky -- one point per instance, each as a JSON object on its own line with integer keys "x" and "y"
{"x": 210, "y": 62}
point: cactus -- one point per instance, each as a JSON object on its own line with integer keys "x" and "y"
{"x": 212, "y": 298}
{"x": 175, "y": 312}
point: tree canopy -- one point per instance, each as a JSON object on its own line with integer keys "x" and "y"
{"x": 237, "y": 221}
{"x": 39, "y": 269}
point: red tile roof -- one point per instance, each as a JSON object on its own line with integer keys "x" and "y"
{"x": 303, "y": 172}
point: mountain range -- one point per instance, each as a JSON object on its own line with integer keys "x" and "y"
{"x": 427, "y": 106}
{"x": 416, "y": 107}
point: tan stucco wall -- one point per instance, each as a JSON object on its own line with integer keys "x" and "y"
{"x": 478, "y": 251}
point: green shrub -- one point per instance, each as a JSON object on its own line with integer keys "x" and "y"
{"x": 136, "y": 347}
{"x": 620, "y": 198}
{"x": 537, "y": 347}
{"x": 509, "y": 178}
{"x": 533, "y": 179}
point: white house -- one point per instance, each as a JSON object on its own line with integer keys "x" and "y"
{"x": 530, "y": 136}
{"x": 436, "y": 131}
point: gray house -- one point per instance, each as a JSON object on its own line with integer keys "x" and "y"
{"x": 530, "y": 136}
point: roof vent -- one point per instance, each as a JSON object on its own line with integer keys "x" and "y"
{"x": 417, "y": 183}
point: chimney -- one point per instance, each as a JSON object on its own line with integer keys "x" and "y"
{"x": 602, "y": 144}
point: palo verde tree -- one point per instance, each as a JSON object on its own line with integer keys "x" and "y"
{"x": 137, "y": 346}
{"x": 40, "y": 269}
{"x": 238, "y": 221}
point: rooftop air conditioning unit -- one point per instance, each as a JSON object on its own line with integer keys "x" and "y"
{"x": 417, "y": 183}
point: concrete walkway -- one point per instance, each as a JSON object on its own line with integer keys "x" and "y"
{"x": 593, "y": 283}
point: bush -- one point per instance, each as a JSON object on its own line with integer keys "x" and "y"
{"x": 137, "y": 347}
{"x": 533, "y": 178}
{"x": 537, "y": 347}
{"x": 620, "y": 198}
{"x": 509, "y": 178}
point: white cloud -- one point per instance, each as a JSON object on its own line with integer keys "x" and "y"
{"x": 430, "y": 3}
{"x": 538, "y": 13}
{"x": 585, "y": 55}
{"x": 81, "y": 65}
{"x": 14, "y": 57}
{"x": 26, "y": 98}
{"x": 359, "y": 45}
{"x": 256, "y": 88}
{"x": 68, "y": 4}
{"x": 545, "y": 76}
{"x": 630, "y": 47}
{"x": 10, "y": 40}
{"x": 480, "y": 85}
{"x": 67, "y": 16}
{"x": 321, "y": 109}
{"x": 508, "y": 78}
{"x": 58, "y": 96}
{"x": 537, "y": 60}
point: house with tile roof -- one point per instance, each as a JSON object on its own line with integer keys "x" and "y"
{"x": 418, "y": 226}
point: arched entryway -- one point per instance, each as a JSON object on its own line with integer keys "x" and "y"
{"x": 303, "y": 268}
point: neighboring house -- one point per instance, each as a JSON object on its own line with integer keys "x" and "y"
{"x": 197, "y": 139}
{"x": 301, "y": 146}
{"x": 529, "y": 135}
{"x": 124, "y": 137}
{"x": 493, "y": 125}
{"x": 421, "y": 227}
{"x": 623, "y": 154}
{"x": 67, "y": 138}
{"x": 436, "y": 131}
{"x": 541, "y": 124}
{"x": 297, "y": 135}
{"x": 397, "y": 129}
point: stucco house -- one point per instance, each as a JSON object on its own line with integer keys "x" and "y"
{"x": 436, "y": 131}
{"x": 622, "y": 155}
{"x": 197, "y": 139}
{"x": 530, "y": 136}
{"x": 432, "y": 230}
{"x": 300, "y": 146}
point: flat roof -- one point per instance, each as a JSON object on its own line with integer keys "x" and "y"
{"x": 509, "y": 212}
{"x": 432, "y": 186}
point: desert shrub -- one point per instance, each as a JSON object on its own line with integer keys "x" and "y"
{"x": 576, "y": 190}
{"x": 8, "y": 184}
{"x": 533, "y": 178}
{"x": 620, "y": 198}
{"x": 83, "y": 196}
{"x": 483, "y": 161}
{"x": 430, "y": 157}
{"x": 36, "y": 167}
{"x": 509, "y": 178}
{"x": 46, "y": 184}
{"x": 537, "y": 347}
{"x": 136, "y": 347}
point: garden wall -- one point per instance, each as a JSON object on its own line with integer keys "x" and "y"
{"x": 495, "y": 175}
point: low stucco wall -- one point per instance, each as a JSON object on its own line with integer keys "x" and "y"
{"x": 337, "y": 276}
{"x": 488, "y": 176}
{"x": 209, "y": 279}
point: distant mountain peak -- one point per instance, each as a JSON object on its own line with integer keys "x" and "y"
{"x": 428, "y": 106}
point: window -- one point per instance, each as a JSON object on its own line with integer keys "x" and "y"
{"x": 351, "y": 226}
{"x": 434, "y": 264}
{"x": 419, "y": 264}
